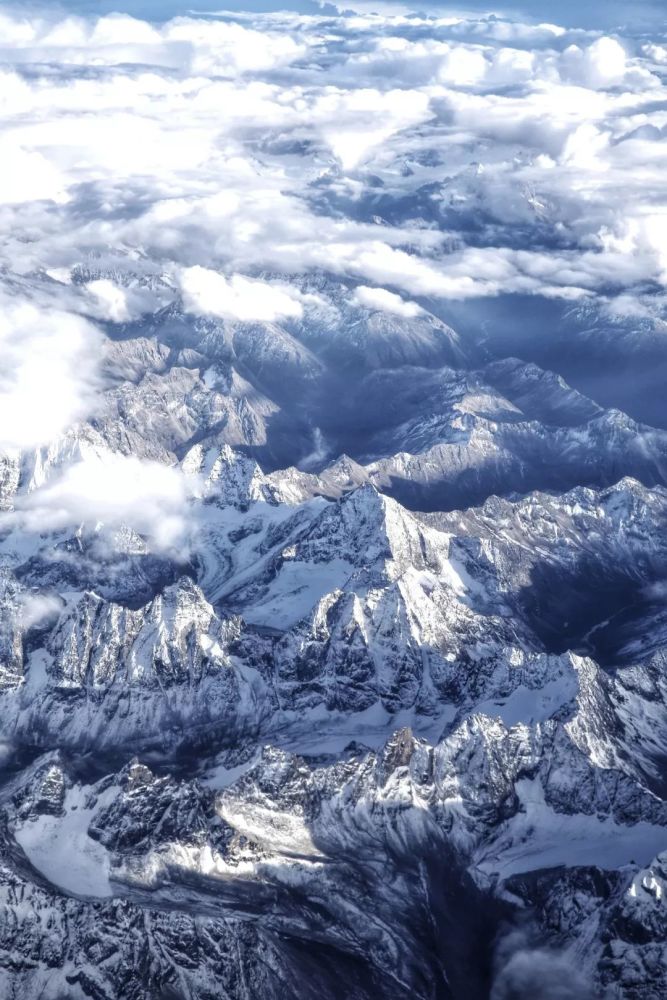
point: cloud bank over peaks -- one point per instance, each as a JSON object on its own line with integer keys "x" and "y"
{"x": 394, "y": 155}
{"x": 48, "y": 377}
{"x": 384, "y": 301}
{"x": 206, "y": 293}
{"x": 110, "y": 491}
{"x": 427, "y": 160}
{"x": 206, "y": 47}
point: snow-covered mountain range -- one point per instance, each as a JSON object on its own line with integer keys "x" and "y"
{"x": 334, "y": 731}
{"x": 333, "y": 507}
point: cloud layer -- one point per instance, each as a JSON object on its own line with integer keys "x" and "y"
{"x": 206, "y": 293}
{"x": 451, "y": 158}
{"x": 211, "y": 164}
{"x": 48, "y": 374}
{"x": 114, "y": 491}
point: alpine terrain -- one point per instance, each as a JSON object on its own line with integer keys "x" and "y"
{"x": 333, "y": 508}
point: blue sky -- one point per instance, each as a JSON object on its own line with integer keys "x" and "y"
{"x": 637, "y": 15}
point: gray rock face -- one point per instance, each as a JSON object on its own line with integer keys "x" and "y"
{"x": 285, "y": 733}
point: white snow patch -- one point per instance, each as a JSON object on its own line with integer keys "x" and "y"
{"x": 296, "y": 590}
{"x": 60, "y": 848}
{"x": 219, "y": 776}
{"x": 538, "y": 837}
{"x": 527, "y": 705}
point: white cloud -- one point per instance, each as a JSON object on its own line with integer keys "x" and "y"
{"x": 109, "y": 301}
{"x": 111, "y": 491}
{"x": 384, "y": 301}
{"x": 37, "y": 608}
{"x": 27, "y": 176}
{"x": 601, "y": 64}
{"x": 48, "y": 374}
{"x": 206, "y": 293}
{"x": 584, "y": 146}
{"x": 222, "y": 48}
{"x": 104, "y": 299}
{"x": 207, "y": 47}
{"x": 356, "y": 122}
{"x": 204, "y": 147}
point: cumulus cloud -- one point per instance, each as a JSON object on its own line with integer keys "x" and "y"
{"x": 104, "y": 299}
{"x": 211, "y": 47}
{"x": 38, "y": 608}
{"x": 109, "y": 301}
{"x": 206, "y": 293}
{"x": 601, "y": 64}
{"x": 384, "y": 301}
{"x": 110, "y": 491}
{"x": 48, "y": 377}
{"x": 26, "y": 175}
{"x": 353, "y": 123}
{"x": 443, "y": 157}
{"x": 525, "y": 971}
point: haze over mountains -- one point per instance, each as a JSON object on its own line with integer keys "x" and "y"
{"x": 333, "y": 496}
